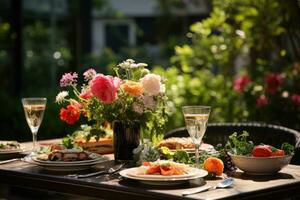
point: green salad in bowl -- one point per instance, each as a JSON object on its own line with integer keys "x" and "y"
{"x": 262, "y": 159}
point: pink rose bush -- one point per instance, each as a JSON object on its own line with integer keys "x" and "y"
{"x": 273, "y": 83}
{"x": 134, "y": 94}
{"x": 264, "y": 93}
{"x": 270, "y": 97}
{"x": 241, "y": 82}
{"x": 262, "y": 101}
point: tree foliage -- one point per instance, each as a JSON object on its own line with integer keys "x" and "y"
{"x": 253, "y": 38}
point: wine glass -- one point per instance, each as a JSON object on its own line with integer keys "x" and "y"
{"x": 34, "y": 112}
{"x": 196, "y": 118}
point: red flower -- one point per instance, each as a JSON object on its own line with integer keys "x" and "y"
{"x": 262, "y": 101}
{"x": 241, "y": 82}
{"x": 274, "y": 82}
{"x": 295, "y": 98}
{"x": 70, "y": 115}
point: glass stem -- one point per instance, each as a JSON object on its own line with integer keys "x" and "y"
{"x": 197, "y": 156}
{"x": 34, "y": 136}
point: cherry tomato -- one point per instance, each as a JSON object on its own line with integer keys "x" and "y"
{"x": 262, "y": 151}
{"x": 278, "y": 152}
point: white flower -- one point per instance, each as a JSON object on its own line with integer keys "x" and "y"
{"x": 126, "y": 64}
{"x": 138, "y": 108}
{"x": 149, "y": 102}
{"x": 61, "y": 96}
{"x": 142, "y": 65}
{"x": 130, "y": 64}
{"x": 162, "y": 88}
{"x": 151, "y": 84}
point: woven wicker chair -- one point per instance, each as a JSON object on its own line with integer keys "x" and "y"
{"x": 259, "y": 133}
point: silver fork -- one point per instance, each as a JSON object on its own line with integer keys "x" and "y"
{"x": 111, "y": 170}
{"x": 26, "y": 159}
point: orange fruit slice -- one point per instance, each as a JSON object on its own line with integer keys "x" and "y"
{"x": 214, "y": 165}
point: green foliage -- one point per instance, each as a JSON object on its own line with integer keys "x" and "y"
{"x": 145, "y": 152}
{"x": 201, "y": 87}
{"x": 41, "y": 43}
{"x": 239, "y": 37}
{"x": 68, "y": 142}
{"x": 87, "y": 132}
{"x": 238, "y": 144}
{"x": 288, "y": 148}
{"x": 181, "y": 156}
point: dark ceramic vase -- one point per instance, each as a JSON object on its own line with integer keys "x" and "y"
{"x": 126, "y": 139}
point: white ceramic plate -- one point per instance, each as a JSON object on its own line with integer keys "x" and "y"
{"x": 11, "y": 151}
{"x": 67, "y": 166}
{"x": 97, "y": 157}
{"x": 194, "y": 173}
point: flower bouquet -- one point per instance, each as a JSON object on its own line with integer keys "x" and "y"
{"x": 133, "y": 99}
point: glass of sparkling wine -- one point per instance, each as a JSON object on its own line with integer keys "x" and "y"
{"x": 34, "y": 112}
{"x": 196, "y": 118}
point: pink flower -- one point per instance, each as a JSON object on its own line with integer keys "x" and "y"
{"x": 295, "y": 98}
{"x": 262, "y": 101}
{"x": 149, "y": 102}
{"x": 138, "y": 108}
{"x": 68, "y": 79}
{"x": 241, "y": 82}
{"x": 274, "y": 82}
{"x": 87, "y": 94}
{"x": 105, "y": 88}
{"x": 89, "y": 74}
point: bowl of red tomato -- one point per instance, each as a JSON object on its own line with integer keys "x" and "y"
{"x": 263, "y": 160}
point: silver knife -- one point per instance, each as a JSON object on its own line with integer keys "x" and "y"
{"x": 10, "y": 160}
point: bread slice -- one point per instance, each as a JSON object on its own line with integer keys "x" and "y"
{"x": 102, "y": 146}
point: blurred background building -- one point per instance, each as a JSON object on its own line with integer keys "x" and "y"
{"x": 42, "y": 39}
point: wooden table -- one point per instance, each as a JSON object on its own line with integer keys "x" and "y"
{"x": 17, "y": 175}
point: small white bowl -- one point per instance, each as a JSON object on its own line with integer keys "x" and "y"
{"x": 260, "y": 165}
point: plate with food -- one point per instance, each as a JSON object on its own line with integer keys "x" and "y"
{"x": 163, "y": 172}
{"x": 10, "y": 147}
{"x": 67, "y": 160}
{"x": 183, "y": 143}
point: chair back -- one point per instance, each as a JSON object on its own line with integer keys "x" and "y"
{"x": 259, "y": 133}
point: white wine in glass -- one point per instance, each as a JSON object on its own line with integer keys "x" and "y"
{"x": 196, "y": 118}
{"x": 34, "y": 109}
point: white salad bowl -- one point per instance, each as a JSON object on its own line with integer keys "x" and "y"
{"x": 260, "y": 165}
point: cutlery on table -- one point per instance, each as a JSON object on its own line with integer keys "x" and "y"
{"x": 10, "y": 160}
{"x": 223, "y": 184}
{"x": 26, "y": 158}
{"x": 111, "y": 170}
